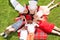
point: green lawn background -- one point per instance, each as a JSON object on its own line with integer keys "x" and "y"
{"x": 7, "y": 15}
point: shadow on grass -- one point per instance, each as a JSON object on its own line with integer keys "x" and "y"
{"x": 11, "y": 35}
{"x": 54, "y": 34}
{"x": 11, "y": 5}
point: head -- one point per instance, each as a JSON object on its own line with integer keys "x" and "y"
{"x": 35, "y": 17}
{"x": 29, "y": 19}
{"x": 32, "y": 11}
{"x": 25, "y": 11}
{"x": 32, "y": 7}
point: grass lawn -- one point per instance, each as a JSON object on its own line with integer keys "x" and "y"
{"x": 7, "y": 15}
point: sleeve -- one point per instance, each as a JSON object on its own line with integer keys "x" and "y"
{"x": 26, "y": 24}
{"x": 35, "y": 24}
{"x": 40, "y": 14}
{"x": 17, "y": 6}
{"x": 45, "y": 10}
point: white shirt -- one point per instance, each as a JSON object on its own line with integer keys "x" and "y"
{"x": 45, "y": 10}
{"x": 31, "y": 27}
{"x": 23, "y": 34}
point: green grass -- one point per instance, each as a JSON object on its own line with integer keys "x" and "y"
{"x": 7, "y": 15}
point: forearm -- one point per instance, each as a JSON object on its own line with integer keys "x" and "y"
{"x": 14, "y": 3}
{"x": 17, "y": 5}
{"x": 53, "y": 6}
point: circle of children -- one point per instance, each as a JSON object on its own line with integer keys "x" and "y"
{"x": 31, "y": 21}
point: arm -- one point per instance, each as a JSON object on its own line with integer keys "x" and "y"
{"x": 17, "y": 6}
{"x": 19, "y": 30}
{"x": 51, "y": 3}
{"x": 14, "y": 3}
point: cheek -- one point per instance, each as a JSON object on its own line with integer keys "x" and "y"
{"x": 32, "y": 12}
{"x": 25, "y": 11}
{"x": 34, "y": 17}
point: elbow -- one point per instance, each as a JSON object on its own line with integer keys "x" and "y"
{"x": 12, "y": 1}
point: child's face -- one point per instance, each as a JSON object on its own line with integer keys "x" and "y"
{"x": 35, "y": 16}
{"x": 25, "y": 11}
{"x": 29, "y": 21}
{"x": 32, "y": 11}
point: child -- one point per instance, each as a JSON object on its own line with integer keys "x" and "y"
{"x": 46, "y": 26}
{"x": 23, "y": 33}
{"x": 18, "y": 7}
{"x": 30, "y": 27}
{"x": 12, "y": 28}
{"x": 44, "y": 10}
